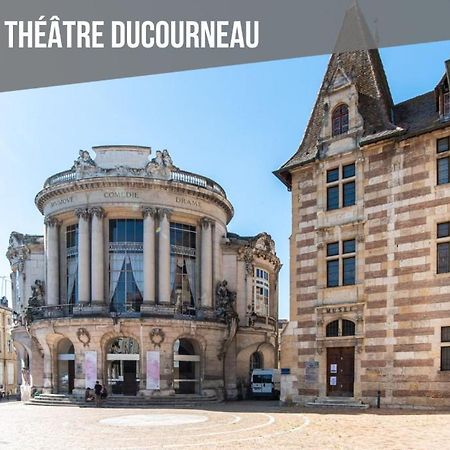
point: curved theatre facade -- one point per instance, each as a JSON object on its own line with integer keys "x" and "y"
{"x": 137, "y": 283}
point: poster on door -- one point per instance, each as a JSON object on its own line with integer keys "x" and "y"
{"x": 90, "y": 368}
{"x": 153, "y": 371}
{"x": 333, "y": 381}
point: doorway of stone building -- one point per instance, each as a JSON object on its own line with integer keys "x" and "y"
{"x": 66, "y": 366}
{"x": 186, "y": 367}
{"x": 123, "y": 366}
{"x": 340, "y": 371}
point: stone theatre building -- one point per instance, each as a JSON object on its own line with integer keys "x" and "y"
{"x": 370, "y": 243}
{"x": 138, "y": 284}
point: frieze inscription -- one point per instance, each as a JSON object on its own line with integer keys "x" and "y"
{"x": 119, "y": 194}
{"x": 61, "y": 201}
{"x": 187, "y": 201}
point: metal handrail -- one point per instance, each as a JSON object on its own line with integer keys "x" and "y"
{"x": 128, "y": 310}
{"x": 180, "y": 176}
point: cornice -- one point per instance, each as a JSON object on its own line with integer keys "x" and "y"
{"x": 48, "y": 193}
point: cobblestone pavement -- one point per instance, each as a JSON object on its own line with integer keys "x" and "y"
{"x": 240, "y": 425}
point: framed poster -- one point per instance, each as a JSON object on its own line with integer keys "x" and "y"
{"x": 153, "y": 371}
{"x": 333, "y": 381}
{"x": 90, "y": 369}
{"x": 333, "y": 368}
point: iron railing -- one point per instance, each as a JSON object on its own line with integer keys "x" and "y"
{"x": 179, "y": 176}
{"x": 129, "y": 310}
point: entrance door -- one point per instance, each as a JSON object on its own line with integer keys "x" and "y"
{"x": 129, "y": 378}
{"x": 340, "y": 371}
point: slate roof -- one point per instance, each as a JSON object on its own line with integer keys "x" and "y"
{"x": 365, "y": 69}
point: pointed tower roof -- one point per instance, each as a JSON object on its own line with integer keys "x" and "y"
{"x": 364, "y": 69}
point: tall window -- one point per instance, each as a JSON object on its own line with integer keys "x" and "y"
{"x": 261, "y": 292}
{"x": 339, "y": 120}
{"x": 341, "y": 187}
{"x": 341, "y": 263}
{"x": 443, "y": 162}
{"x": 256, "y": 361}
{"x": 126, "y": 276}
{"x": 445, "y": 348}
{"x": 447, "y": 104}
{"x": 443, "y": 247}
{"x": 183, "y": 254}
{"x": 72, "y": 263}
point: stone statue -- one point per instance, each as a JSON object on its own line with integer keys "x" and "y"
{"x": 37, "y": 294}
{"x": 167, "y": 160}
{"x": 225, "y": 310}
{"x": 225, "y": 300}
{"x": 161, "y": 165}
{"x": 84, "y": 161}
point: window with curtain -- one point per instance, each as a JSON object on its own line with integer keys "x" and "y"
{"x": 261, "y": 292}
{"x": 183, "y": 257}
{"x": 72, "y": 264}
{"x": 126, "y": 264}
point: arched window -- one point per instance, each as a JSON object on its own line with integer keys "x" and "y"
{"x": 256, "y": 361}
{"x": 339, "y": 120}
{"x": 348, "y": 328}
{"x": 333, "y": 329}
{"x": 341, "y": 327}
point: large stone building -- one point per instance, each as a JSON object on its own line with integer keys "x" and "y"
{"x": 8, "y": 371}
{"x": 138, "y": 284}
{"x": 370, "y": 243}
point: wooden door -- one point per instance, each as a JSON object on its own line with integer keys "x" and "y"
{"x": 340, "y": 371}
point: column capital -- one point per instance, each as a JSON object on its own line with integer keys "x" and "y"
{"x": 206, "y": 222}
{"x": 83, "y": 213}
{"x": 164, "y": 212}
{"x": 149, "y": 212}
{"x": 96, "y": 211}
{"x": 51, "y": 222}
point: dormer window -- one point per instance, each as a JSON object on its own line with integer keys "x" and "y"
{"x": 339, "y": 120}
{"x": 447, "y": 104}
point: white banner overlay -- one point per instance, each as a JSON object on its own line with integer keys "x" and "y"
{"x": 90, "y": 368}
{"x": 153, "y": 371}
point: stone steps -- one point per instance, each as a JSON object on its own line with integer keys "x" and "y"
{"x": 124, "y": 401}
{"x": 337, "y": 402}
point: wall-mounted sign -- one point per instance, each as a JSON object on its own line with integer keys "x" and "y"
{"x": 333, "y": 368}
{"x": 153, "y": 371}
{"x": 333, "y": 381}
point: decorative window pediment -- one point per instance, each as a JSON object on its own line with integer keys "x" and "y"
{"x": 339, "y": 80}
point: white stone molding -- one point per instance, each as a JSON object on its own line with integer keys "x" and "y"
{"x": 164, "y": 255}
{"x": 206, "y": 262}
{"x": 52, "y": 256}
{"x": 84, "y": 253}
{"x": 97, "y": 255}
{"x": 149, "y": 215}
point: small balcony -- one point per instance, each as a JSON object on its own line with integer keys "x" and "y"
{"x": 128, "y": 311}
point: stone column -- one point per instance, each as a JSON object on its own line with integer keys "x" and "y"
{"x": 84, "y": 253}
{"x": 206, "y": 263}
{"x": 149, "y": 215}
{"x": 97, "y": 255}
{"x": 164, "y": 256}
{"x": 219, "y": 234}
{"x": 52, "y": 229}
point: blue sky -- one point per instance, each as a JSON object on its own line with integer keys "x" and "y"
{"x": 233, "y": 124}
